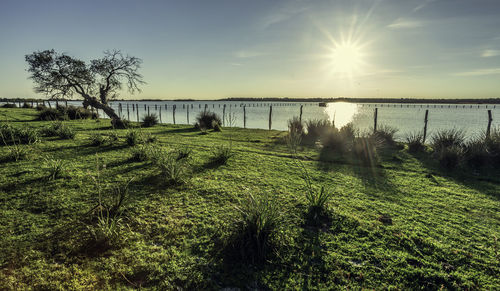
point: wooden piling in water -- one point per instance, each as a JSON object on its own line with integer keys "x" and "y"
{"x": 300, "y": 116}
{"x": 270, "y": 117}
{"x": 490, "y": 119}
{"x": 137, "y": 111}
{"x": 160, "y": 114}
{"x": 375, "y": 120}
{"x": 148, "y": 109}
{"x": 173, "y": 112}
{"x": 425, "y": 125}
{"x": 244, "y": 117}
{"x": 187, "y": 114}
{"x": 224, "y": 115}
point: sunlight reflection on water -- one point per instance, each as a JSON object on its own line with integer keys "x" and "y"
{"x": 341, "y": 112}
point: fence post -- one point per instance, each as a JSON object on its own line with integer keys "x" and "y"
{"x": 300, "y": 118}
{"x": 128, "y": 113}
{"x": 375, "y": 120}
{"x": 160, "y": 115}
{"x": 244, "y": 117}
{"x": 187, "y": 113}
{"x": 490, "y": 119}
{"x": 425, "y": 125}
{"x": 148, "y": 109}
{"x": 50, "y": 106}
{"x": 137, "y": 107}
{"x": 270, "y": 117}
{"x": 173, "y": 112}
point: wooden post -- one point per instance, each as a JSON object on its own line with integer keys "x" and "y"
{"x": 160, "y": 114}
{"x": 300, "y": 116}
{"x": 425, "y": 125}
{"x": 375, "y": 120}
{"x": 66, "y": 102}
{"x": 137, "y": 112}
{"x": 156, "y": 106}
{"x": 244, "y": 117}
{"x": 224, "y": 115}
{"x": 148, "y": 109}
{"x": 57, "y": 104}
{"x": 128, "y": 113}
{"x": 50, "y": 106}
{"x": 270, "y": 117}
{"x": 488, "y": 129}
{"x": 187, "y": 114}
{"x": 173, "y": 112}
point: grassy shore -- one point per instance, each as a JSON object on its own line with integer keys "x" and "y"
{"x": 402, "y": 222}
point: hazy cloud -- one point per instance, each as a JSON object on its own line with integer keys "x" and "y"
{"x": 490, "y": 53}
{"x": 402, "y": 23}
{"x": 480, "y": 72}
{"x": 422, "y": 5}
{"x": 245, "y": 54}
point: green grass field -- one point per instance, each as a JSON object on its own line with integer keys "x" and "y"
{"x": 444, "y": 233}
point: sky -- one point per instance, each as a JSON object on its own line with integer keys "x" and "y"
{"x": 268, "y": 48}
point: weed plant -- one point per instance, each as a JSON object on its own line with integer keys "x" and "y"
{"x": 207, "y": 120}
{"x": 149, "y": 120}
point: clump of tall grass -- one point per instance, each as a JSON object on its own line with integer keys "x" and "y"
{"x": 450, "y": 157}
{"x": 50, "y": 114}
{"x": 141, "y": 153}
{"x": 132, "y": 137}
{"x": 365, "y": 149}
{"x": 339, "y": 141}
{"x": 149, "y": 120}
{"x": 97, "y": 139}
{"x": 316, "y": 128}
{"x": 295, "y": 126}
{"x": 256, "y": 229}
{"x": 27, "y": 105}
{"x": 448, "y": 147}
{"x": 448, "y": 138}
{"x": 207, "y": 120}
{"x": 40, "y": 107}
{"x": 221, "y": 154}
{"x": 475, "y": 153}
{"x": 173, "y": 169}
{"x": 385, "y": 135}
{"x": 12, "y": 135}
{"x": 317, "y": 204}
{"x": 415, "y": 142}
{"x": 55, "y": 168}
{"x": 105, "y": 224}
{"x": 9, "y": 105}
{"x": 66, "y": 132}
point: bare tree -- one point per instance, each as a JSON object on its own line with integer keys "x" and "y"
{"x": 59, "y": 75}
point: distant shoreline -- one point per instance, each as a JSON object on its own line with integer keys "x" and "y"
{"x": 327, "y": 100}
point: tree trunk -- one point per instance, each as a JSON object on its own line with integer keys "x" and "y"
{"x": 110, "y": 112}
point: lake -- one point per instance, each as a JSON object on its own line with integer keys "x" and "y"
{"x": 472, "y": 118}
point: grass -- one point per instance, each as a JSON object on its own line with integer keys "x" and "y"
{"x": 403, "y": 222}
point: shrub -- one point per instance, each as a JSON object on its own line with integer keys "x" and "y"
{"x": 316, "y": 128}
{"x": 493, "y": 146}
{"x": 256, "y": 228}
{"x": 52, "y": 129}
{"x": 26, "y": 135}
{"x": 448, "y": 138}
{"x": 96, "y": 139}
{"x": 317, "y": 200}
{"x": 207, "y": 120}
{"x": 221, "y": 155}
{"x": 74, "y": 112}
{"x": 27, "y": 105}
{"x": 148, "y": 138}
{"x": 450, "y": 157}
{"x": 149, "y": 120}
{"x": 385, "y": 135}
{"x": 9, "y": 105}
{"x": 50, "y": 114}
{"x": 415, "y": 142}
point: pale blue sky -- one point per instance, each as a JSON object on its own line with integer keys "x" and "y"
{"x": 217, "y": 49}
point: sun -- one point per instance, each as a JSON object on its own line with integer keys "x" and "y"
{"x": 346, "y": 58}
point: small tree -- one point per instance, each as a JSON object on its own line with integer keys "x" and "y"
{"x": 99, "y": 81}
